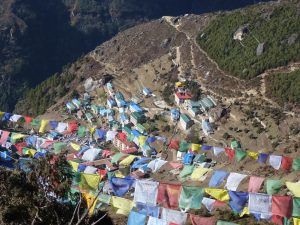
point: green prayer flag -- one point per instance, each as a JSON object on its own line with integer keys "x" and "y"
{"x": 296, "y": 164}
{"x": 220, "y": 222}
{"x": 130, "y": 137}
{"x": 199, "y": 158}
{"x": 58, "y": 146}
{"x": 81, "y": 131}
{"x": 273, "y": 186}
{"x": 35, "y": 123}
{"x": 240, "y": 154}
{"x": 117, "y": 157}
{"x": 286, "y": 221}
{"x": 110, "y": 174}
{"x": 191, "y": 197}
{"x": 296, "y": 207}
{"x": 187, "y": 170}
{"x": 184, "y": 146}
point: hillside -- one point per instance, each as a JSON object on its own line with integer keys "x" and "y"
{"x": 275, "y": 28}
{"x": 38, "y": 38}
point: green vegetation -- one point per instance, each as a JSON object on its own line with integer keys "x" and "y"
{"x": 284, "y": 87}
{"x": 36, "y": 101}
{"x": 266, "y": 24}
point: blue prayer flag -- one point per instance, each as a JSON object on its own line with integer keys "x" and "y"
{"x": 262, "y": 158}
{"x": 217, "y": 178}
{"x": 120, "y": 186}
{"x": 238, "y": 200}
{"x": 147, "y": 210}
{"x": 136, "y": 218}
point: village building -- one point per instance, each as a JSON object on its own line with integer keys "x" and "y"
{"x": 136, "y": 99}
{"x": 95, "y": 109}
{"x": 175, "y": 115}
{"x": 180, "y": 98}
{"x": 193, "y": 111}
{"x": 124, "y": 119}
{"x": 141, "y": 128}
{"x": 185, "y": 121}
{"x": 120, "y": 142}
{"x": 206, "y": 127}
{"x": 111, "y": 103}
{"x": 120, "y": 100}
{"x": 110, "y": 89}
{"x": 76, "y": 103}
{"x": 133, "y": 107}
{"x": 147, "y": 92}
{"x": 137, "y": 117}
{"x": 71, "y": 108}
{"x": 90, "y": 118}
{"x": 206, "y": 104}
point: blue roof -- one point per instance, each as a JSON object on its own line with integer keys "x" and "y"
{"x": 136, "y": 107}
{"x": 123, "y": 117}
{"x": 136, "y": 133}
{"x": 111, "y": 101}
{"x": 147, "y": 90}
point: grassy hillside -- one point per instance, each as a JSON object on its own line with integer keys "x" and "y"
{"x": 272, "y": 25}
{"x": 284, "y": 87}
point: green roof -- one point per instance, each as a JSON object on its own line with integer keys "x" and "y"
{"x": 127, "y": 130}
{"x": 185, "y": 118}
{"x": 140, "y": 126}
{"x": 138, "y": 115}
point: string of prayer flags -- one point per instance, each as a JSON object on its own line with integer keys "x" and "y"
{"x": 156, "y": 221}
{"x": 262, "y": 158}
{"x": 260, "y": 204}
{"x": 275, "y": 161}
{"x": 282, "y": 206}
{"x": 197, "y": 220}
{"x": 219, "y": 194}
{"x": 148, "y": 210}
{"x": 230, "y": 153}
{"x": 253, "y": 155}
{"x": 168, "y": 195}
{"x": 294, "y": 188}
{"x": 136, "y": 218}
{"x": 123, "y": 206}
{"x": 146, "y": 191}
{"x": 240, "y": 154}
{"x": 208, "y": 203}
{"x": 238, "y": 200}
{"x": 200, "y": 173}
{"x": 296, "y": 207}
{"x": 89, "y": 181}
{"x": 173, "y": 216}
{"x": 191, "y": 197}
{"x": 273, "y": 186}
{"x": 255, "y": 183}
{"x": 296, "y": 164}
{"x": 233, "y": 181}
{"x": 121, "y": 186}
{"x": 217, "y": 178}
{"x": 286, "y": 163}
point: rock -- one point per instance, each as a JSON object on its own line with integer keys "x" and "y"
{"x": 165, "y": 42}
{"x": 292, "y": 39}
{"x": 240, "y": 32}
{"x": 260, "y": 49}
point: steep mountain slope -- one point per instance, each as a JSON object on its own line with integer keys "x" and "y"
{"x": 38, "y": 37}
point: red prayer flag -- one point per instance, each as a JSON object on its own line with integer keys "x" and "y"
{"x": 4, "y": 137}
{"x": 286, "y": 163}
{"x": 278, "y": 219}
{"x": 218, "y": 203}
{"x": 174, "y": 144}
{"x": 27, "y": 119}
{"x": 197, "y": 220}
{"x": 255, "y": 183}
{"x": 20, "y": 146}
{"x": 168, "y": 195}
{"x": 230, "y": 153}
{"x": 72, "y": 126}
{"x": 282, "y": 206}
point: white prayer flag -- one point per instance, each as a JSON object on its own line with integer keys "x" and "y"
{"x": 146, "y": 191}
{"x": 233, "y": 181}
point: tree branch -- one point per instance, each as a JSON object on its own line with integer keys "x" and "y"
{"x": 101, "y": 218}
{"x": 75, "y": 210}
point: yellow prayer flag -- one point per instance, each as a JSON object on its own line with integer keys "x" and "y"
{"x": 118, "y": 174}
{"x": 1, "y": 114}
{"x": 92, "y": 180}
{"x": 127, "y": 161}
{"x": 296, "y": 221}
{"x": 196, "y": 147}
{"x": 75, "y": 146}
{"x": 90, "y": 201}
{"x": 44, "y": 123}
{"x": 142, "y": 139}
{"x": 123, "y": 205}
{"x": 30, "y": 152}
{"x": 199, "y": 172}
{"x": 74, "y": 165}
{"x": 253, "y": 155}
{"x": 92, "y": 130}
{"x": 245, "y": 212}
{"x": 294, "y": 188}
{"x": 219, "y": 194}
{"x": 17, "y": 136}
